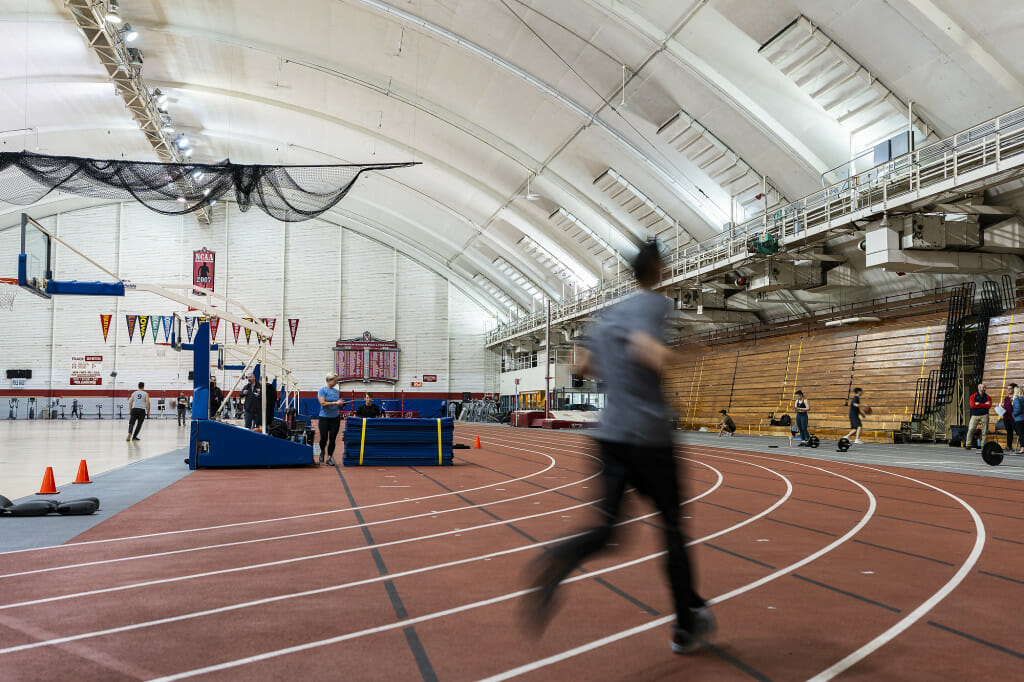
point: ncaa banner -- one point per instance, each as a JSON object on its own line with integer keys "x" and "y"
{"x": 154, "y": 327}
{"x": 105, "y": 323}
{"x": 131, "y": 326}
{"x": 293, "y": 327}
{"x": 214, "y": 325}
{"x": 190, "y": 326}
{"x": 270, "y": 322}
{"x": 168, "y": 320}
{"x": 204, "y": 263}
{"x": 143, "y": 323}
{"x": 236, "y": 328}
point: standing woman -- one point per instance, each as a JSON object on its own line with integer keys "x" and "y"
{"x": 330, "y": 420}
{"x": 802, "y": 407}
{"x": 1018, "y": 417}
{"x": 1009, "y": 421}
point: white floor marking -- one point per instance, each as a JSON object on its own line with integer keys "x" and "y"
{"x": 287, "y": 518}
{"x": 392, "y": 576}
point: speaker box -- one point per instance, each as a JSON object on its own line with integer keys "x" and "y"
{"x": 19, "y": 374}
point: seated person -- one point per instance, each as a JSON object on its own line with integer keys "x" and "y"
{"x": 368, "y": 410}
{"x": 727, "y": 425}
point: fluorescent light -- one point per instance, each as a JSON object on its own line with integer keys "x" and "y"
{"x": 181, "y": 142}
{"x": 129, "y": 33}
{"x": 112, "y": 12}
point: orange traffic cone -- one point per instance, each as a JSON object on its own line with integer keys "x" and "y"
{"x": 477, "y": 444}
{"x": 48, "y": 487}
{"x": 83, "y": 473}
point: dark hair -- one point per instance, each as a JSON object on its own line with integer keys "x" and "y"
{"x": 724, "y": 412}
{"x": 799, "y": 392}
{"x": 647, "y": 264}
{"x": 142, "y": 384}
{"x": 857, "y": 390}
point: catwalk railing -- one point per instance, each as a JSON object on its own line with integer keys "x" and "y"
{"x": 978, "y": 157}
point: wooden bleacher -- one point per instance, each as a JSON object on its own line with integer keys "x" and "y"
{"x": 754, "y": 379}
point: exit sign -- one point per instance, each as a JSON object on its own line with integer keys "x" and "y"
{"x": 429, "y": 377}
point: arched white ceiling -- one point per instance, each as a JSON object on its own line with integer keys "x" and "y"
{"x": 500, "y": 99}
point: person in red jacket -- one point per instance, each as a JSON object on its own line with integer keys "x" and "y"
{"x": 981, "y": 403}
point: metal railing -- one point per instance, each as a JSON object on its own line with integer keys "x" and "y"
{"x": 983, "y": 151}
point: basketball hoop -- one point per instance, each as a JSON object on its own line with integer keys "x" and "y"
{"x": 8, "y": 291}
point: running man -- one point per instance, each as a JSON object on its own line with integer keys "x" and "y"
{"x": 628, "y": 353}
{"x": 138, "y": 405}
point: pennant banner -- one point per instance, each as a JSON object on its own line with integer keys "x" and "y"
{"x": 236, "y": 328}
{"x": 168, "y": 320}
{"x": 131, "y": 326}
{"x": 190, "y": 326}
{"x": 293, "y": 326}
{"x": 248, "y": 332}
{"x": 143, "y": 322}
{"x": 214, "y": 325}
{"x": 154, "y": 325}
{"x": 105, "y": 323}
{"x": 270, "y": 322}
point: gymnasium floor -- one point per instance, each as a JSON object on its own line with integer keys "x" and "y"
{"x": 902, "y": 562}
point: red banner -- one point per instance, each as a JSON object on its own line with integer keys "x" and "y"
{"x": 105, "y": 323}
{"x": 236, "y": 328}
{"x": 293, "y": 326}
{"x": 214, "y": 325}
{"x": 270, "y": 322}
{"x": 204, "y": 263}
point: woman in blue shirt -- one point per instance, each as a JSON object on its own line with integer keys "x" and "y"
{"x": 1018, "y": 417}
{"x": 330, "y": 419}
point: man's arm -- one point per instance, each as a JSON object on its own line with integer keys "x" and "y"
{"x": 649, "y": 351}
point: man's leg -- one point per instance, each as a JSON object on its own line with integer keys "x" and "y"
{"x": 131, "y": 423}
{"x": 560, "y": 560}
{"x": 141, "y": 417}
{"x": 983, "y": 422}
{"x": 971, "y": 425}
{"x": 654, "y": 472}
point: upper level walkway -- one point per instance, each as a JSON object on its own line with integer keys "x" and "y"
{"x": 987, "y": 155}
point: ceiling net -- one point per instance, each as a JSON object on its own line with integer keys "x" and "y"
{"x": 288, "y": 193}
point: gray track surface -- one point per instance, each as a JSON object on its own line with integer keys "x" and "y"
{"x": 921, "y": 456}
{"x": 117, "y": 490}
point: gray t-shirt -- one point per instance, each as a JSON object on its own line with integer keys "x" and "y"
{"x": 635, "y": 410}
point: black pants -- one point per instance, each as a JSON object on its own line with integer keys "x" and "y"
{"x": 181, "y": 415}
{"x": 1011, "y": 428}
{"x": 135, "y": 419}
{"x": 252, "y": 419}
{"x": 801, "y": 423}
{"x": 329, "y": 427}
{"x": 652, "y": 471}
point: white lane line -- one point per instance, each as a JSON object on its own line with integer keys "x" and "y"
{"x": 618, "y": 636}
{"x": 309, "y": 557}
{"x": 391, "y": 576}
{"x": 447, "y": 612}
{"x": 236, "y": 543}
{"x": 290, "y": 518}
{"x": 926, "y": 606}
{"x": 433, "y": 514}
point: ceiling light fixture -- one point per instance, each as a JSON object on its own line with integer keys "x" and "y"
{"x": 113, "y": 16}
{"x": 129, "y": 33}
{"x": 160, "y": 96}
{"x": 181, "y": 142}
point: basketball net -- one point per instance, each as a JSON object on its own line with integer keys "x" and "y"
{"x": 8, "y": 291}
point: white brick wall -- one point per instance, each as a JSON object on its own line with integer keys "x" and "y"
{"x": 337, "y": 282}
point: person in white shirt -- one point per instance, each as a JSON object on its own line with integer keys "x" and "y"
{"x": 138, "y": 406}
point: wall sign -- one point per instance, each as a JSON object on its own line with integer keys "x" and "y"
{"x": 86, "y": 370}
{"x": 366, "y": 358}
{"x": 429, "y": 377}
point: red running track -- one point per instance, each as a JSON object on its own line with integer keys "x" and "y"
{"x": 816, "y": 570}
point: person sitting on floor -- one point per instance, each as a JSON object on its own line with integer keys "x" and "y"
{"x": 727, "y": 425}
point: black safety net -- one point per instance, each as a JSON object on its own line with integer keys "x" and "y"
{"x": 288, "y": 193}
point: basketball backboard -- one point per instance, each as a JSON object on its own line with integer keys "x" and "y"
{"x": 176, "y": 335}
{"x": 34, "y": 261}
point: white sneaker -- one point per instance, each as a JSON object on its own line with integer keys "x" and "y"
{"x": 858, "y": 442}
